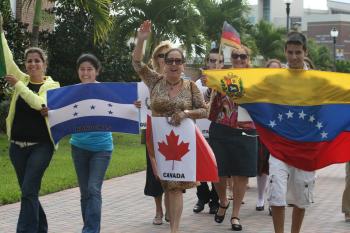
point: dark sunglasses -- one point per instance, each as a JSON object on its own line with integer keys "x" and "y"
{"x": 178, "y": 61}
{"x": 161, "y": 55}
{"x": 241, "y": 56}
{"x": 214, "y": 61}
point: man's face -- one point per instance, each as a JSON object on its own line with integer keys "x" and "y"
{"x": 295, "y": 56}
{"x": 215, "y": 61}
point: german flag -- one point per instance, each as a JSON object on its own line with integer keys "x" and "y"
{"x": 230, "y": 37}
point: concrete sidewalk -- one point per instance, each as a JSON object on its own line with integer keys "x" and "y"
{"x": 127, "y": 210}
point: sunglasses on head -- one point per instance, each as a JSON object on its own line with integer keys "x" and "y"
{"x": 215, "y": 60}
{"x": 161, "y": 55}
{"x": 170, "y": 61}
{"x": 241, "y": 56}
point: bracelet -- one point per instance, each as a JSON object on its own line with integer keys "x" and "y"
{"x": 186, "y": 113}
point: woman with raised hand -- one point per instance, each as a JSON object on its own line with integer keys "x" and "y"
{"x": 174, "y": 97}
{"x": 91, "y": 153}
{"x": 31, "y": 144}
{"x": 234, "y": 144}
{"x": 153, "y": 187}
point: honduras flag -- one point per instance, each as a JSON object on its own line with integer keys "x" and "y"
{"x": 93, "y": 107}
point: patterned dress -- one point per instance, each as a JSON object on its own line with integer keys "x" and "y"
{"x": 188, "y": 98}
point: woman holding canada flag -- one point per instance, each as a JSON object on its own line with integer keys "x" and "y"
{"x": 176, "y": 99}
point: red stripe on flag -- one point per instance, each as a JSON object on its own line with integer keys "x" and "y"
{"x": 308, "y": 156}
{"x": 150, "y": 145}
{"x": 231, "y": 37}
{"x": 205, "y": 160}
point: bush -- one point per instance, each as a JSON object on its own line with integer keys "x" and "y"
{"x": 4, "y": 106}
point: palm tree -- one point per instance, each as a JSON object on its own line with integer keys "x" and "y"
{"x": 99, "y": 10}
{"x": 171, "y": 20}
{"x": 269, "y": 40}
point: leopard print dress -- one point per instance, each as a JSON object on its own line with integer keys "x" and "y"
{"x": 189, "y": 97}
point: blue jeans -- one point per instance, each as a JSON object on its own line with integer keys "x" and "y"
{"x": 91, "y": 168}
{"x": 30, "y": 164}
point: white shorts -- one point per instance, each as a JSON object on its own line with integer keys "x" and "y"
{"x": 289, "y": 185}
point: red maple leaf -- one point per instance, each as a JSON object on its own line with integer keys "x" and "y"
{"x": 173, "y": 151}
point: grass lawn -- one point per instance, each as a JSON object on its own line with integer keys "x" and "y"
{"x": 128, "y": 157}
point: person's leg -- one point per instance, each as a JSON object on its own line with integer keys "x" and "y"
{"x": 261, "y": 183}
{"x": 214, "y": 200}
{"x": 300, "y": 193}
{"x": 32, "y": 217}
{"x": 158, "y": 219}
{"x": 297, "y": 219}
{"x": 277, "y": 191}
{"x": 346, "y": 194}
{"x": 81, "y": 160}
{"x": 278, "y": 213}
{"x": 239, "y": 190}
{"x": 229, "y": 187}
{"x": 203, "y": 194}
{"x": 98, "y": 166}
{"x": 166, "y": 204}
{"x": 19, "y": 157}
{"x": 175, "y": 209}
{"x": 220, "y": 188}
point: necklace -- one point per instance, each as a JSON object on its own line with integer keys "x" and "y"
{"x": 172, "y": 85}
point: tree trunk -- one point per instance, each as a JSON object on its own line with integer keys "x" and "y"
{"x": 36, "y": 23}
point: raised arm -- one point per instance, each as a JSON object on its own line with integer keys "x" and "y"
{"x": 11, "y": 67}
{"x": 149, "y": 76}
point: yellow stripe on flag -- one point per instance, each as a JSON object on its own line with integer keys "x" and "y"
{"x": 281, "y": 86}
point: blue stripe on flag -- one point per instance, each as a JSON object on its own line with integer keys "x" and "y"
{"x": 123, "y": 93}
{"x": 302, "y": 123}
{"x": 88, "y": 124}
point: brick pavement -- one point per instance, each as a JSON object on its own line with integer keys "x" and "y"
{"x": 127, "y": 210}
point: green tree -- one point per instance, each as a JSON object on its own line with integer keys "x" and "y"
{"x": 343, "y": 66}
{"x": 216, "y": 12}
{"x": 269, "y": 40}
{"x": 171, "y": 20}
{"x": 73, "y": 36}
{"x": 99, "y": 9}
{"x": 17, "y": 38}
{"x": 320, "y": 55}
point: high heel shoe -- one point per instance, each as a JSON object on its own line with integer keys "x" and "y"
{"x": 236, "y": 226}
{"x": 220, "y": 218}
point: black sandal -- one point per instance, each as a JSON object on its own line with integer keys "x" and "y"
{"x": 220, "y": 218}
{"x": 236, "y": 227}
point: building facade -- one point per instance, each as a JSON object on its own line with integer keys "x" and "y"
{"x": 316, "y": 24}
{"x": 25, "y": 14}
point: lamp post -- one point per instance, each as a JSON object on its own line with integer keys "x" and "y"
{"x": 334, "y": 35}
{"x": 288, "y": 2}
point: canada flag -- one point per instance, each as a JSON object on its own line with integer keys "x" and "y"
{"x": 181, "y": 153}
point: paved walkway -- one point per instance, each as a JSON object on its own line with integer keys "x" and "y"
{"x": 127, "y": 210}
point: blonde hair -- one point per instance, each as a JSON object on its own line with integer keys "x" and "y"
{"x": 246, "y": 50}
{"x": 270, "y": 61}
{"x": 162, "y": 45}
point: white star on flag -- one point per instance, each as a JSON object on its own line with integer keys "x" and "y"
{"x": 319, "y": 125}
{"x": 312, "y": 118}
{"x": 324, "y": 134}
{"x": 302, "y": 114}
{"x": 289, "y": 114}
{"x": 280, "y": 117}
{"x": 272, "y": 124}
